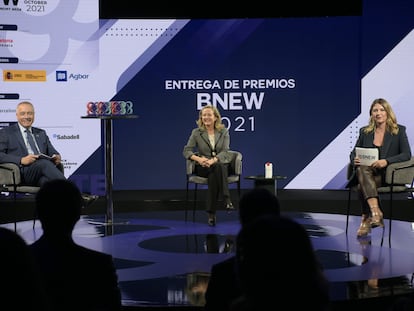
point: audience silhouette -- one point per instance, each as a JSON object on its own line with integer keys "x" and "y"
{"x": 402, "y": 303}
{"x": 22, "y": 288}
{"x": 223, "y": 286}
{"x": 75, "y": 277}
{"x": 276, "y": 262}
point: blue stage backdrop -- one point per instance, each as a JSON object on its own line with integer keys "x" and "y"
{"x": 278, "y": 83}
{"x": 292, "y": 91}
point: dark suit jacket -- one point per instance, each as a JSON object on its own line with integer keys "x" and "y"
{"x": 199, "y": 144}
{"x": 223, "y": 286}
{"x": 75, "y": 277}
{"x": 395, "y": 148}
{"x": 13, "y": 147}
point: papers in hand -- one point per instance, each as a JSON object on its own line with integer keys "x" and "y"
{"x": 366, "y": 155}
{"x": 45, "y": 156}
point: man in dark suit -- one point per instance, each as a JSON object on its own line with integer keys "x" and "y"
{"x": 223, "y": 286}
{"x": 27, "y": 147}
{"x": 75, "y": 277}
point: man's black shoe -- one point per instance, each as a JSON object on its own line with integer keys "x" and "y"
{"x": 88, "y": 199}
{"x": 211, "y": 219}
{"x": 229, "y": 207}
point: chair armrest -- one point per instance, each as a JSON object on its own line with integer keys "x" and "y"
{"x": 6, "y": 174}
{"x": 400, "y": 173}
{"x": 237, "y": 164}
{"x": 190, "y": 166}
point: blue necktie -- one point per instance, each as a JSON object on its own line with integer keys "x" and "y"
{"x": 31, "y": 142}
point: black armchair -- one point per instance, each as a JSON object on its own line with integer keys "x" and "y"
{"x": 399, "y": 178}
{"x": 11, "y": 181}
{"x": 236, "y": 166}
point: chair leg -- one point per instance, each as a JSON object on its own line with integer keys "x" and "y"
{"x": 390, "y": 221}
{"x": 238, "y": 190}
{"x": 15, "y": 209}
{"x": 382, "y": 237}
{"x": 383, "y": 228}
{"x": 195, "y": 201}
{"x": 348, "y": 208}
{"x": 34, "y": 219}
{"x": 186, "y": 202}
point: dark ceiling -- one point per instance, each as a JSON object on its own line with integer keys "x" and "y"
{"x": 222, "y": 9}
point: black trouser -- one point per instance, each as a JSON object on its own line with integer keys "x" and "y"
{"x": 40, "y": 171}
{"x": 369, "y": 179}
{"x": 218, "y": 188}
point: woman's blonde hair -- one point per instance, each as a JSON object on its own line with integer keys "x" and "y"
{"x": 391, "y": 125}
{"x": 218, "y": 124}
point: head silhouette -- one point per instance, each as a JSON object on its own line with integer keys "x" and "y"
{"x": 59, "y": 205}
{"x": 23, "y": 288}
{"x": 257, "y": 202}
{"x": 276, "y": 250}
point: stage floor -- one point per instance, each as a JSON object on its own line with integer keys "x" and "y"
{"x": 159, "y": 256}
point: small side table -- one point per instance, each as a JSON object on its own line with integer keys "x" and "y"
{"x": 269, "y": 183}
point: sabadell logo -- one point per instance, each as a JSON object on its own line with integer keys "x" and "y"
{"x": 57, "y": 136}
